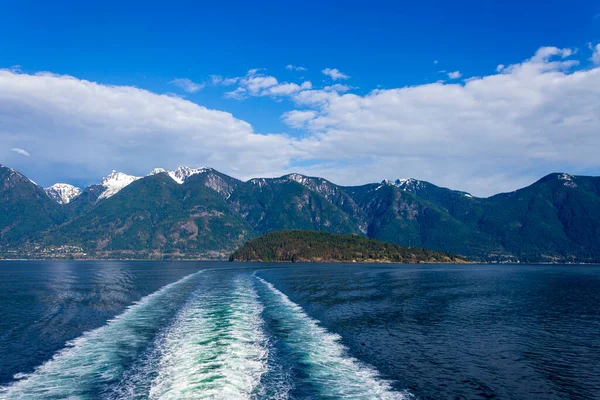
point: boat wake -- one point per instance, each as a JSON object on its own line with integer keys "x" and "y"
{"x": 215, "y": 349}
{"x": 209, "y": 335}
{"x": 93, "y": 362}
{"x": 328, "y": 368}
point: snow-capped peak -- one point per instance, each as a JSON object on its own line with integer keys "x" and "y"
{"x": 157, "y": 171}
{"x": 62, "y": 193}
{"x": 402, "y": 182}
{"x": 114, "y": 182}
{"x": 182, "y": 173}
{"x": 406, "y": 184}
{"x": 297, "y": 177}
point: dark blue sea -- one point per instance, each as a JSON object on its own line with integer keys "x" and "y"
{"x": 216, "y": 330}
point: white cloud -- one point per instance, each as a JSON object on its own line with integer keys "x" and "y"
{"x": 337, "y": 88}
{"x": 500, "y": 67}
{"x": 219, "y": 80}
{"x": 492, "y": 133}
{"x": 454, "y": 75}
{"x": 545, "y": 53}
{"x": 314, "y": 98}
{"x": 596, "y": 55}
{"x": 254, "y": 71}
{"x": 81, "y": 130}
{"x": 257, "y": 84}
{"x": 237, "y": 94}
{"x": 545, "y": 60}
{"x": 298, "y": 119}
{"x": 188, "y": 85}
{"x": 21, "y": 151}
{"x": 334, "y": 74}
{"x": 484, "y": 135}
{"x": 291, "y": 67}
{"x": 286, "y": 89}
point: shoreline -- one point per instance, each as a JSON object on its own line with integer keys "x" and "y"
{"x": 297, "y": 262}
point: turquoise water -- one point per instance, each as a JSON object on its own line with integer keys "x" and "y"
{"x": 125, "y": 330}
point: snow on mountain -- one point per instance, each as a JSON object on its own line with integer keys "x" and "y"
{"x": 301, "y": 179}
{"x": 62, "y": 193}
{"x": 406, "y": 184}
{"x": 115, "y": 182}
{"x": 568, "y": 180}
{"x": 260, "y": 182}
{"x": 213, "y": 181}
{"x": 412, "y": 185}
{"x": 182, "y": 173}
{"x": 319, "y": 185}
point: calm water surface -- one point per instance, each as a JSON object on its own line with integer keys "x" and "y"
{"x": 224, "y": 330}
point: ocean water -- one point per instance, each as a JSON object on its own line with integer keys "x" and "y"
{"x": 193, "y": 330}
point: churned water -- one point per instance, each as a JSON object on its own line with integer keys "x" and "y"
{"x": 193, "y": 330}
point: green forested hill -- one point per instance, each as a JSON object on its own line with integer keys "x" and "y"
{"x": 400, "y": 216}
{"x": 276, "y": 204}
{"x": 301, "y": 246}
{"x": 25, "y": 209}
{"x": 155, "y": 214}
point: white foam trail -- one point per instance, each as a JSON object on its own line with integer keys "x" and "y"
{"x": 332, "y": 371}
{"x": 216, "y": 348}
{"x": 97, "y": 357}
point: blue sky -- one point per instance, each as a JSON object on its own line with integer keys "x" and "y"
{"x": 377, "y": 45}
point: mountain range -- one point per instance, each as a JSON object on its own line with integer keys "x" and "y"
{"x": 202, "y": 213}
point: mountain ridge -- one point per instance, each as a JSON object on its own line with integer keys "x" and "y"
{"x": 206, "y": 214}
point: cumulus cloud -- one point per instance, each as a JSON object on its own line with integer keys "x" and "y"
{"x": 88, "y": 129}
{"x": 188, "y": 85}
{"x": 291, "y": 67}
{"x": 298, "y": 119}
{"x": 286, "y": 88}
{"x": 21, "y": 151}
{"x": 338, "y": 87}
{"x": 238, "y": 94}
{"x": 487, "y": 134}
{"x": 334, "y": 74}
{"x": 545, "y": 53}
{"x": 454, "y": 75}
{"x": 257, "y": 84}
